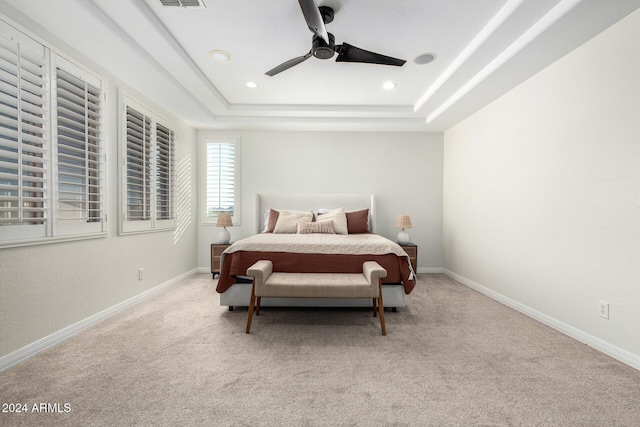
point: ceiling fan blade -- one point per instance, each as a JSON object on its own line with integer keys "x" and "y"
{"x": 314, "y": 19}
{"x": 288, "y": 64}
{"x": 349, "y": 53}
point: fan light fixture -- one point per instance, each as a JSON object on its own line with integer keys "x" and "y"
{"x": 323, "y": 43}
{"x": 220, "y": 56}
{"x": 389, "y": 85}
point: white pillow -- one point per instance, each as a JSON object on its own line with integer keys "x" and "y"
{"x": 339, "y": 218}
{"x": 268, "y": 211}
{"x": 288, "y": 221}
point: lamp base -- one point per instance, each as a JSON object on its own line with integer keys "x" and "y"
{"x": 224, "y": 236}
{"x": 403, "y": 236}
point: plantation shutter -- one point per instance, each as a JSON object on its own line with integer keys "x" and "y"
{"x": 24, "y": 146}
{"x": 79, "y": 152}
{"x": 165, "y": 172}
{"x": 138, "y": 166}
{"x": 51, "y": 151}
{"x": 220, "y": 179}
{"x": 149, "y": 170}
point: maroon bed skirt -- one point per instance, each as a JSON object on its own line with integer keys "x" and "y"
{"x": 237, "y": 263}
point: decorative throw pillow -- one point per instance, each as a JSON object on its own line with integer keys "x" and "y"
{"x": 271, "y": 218}
{"x": 324, "y": 227}
{"x": 358, "y": 221}
{"x": 288, "y": 221}
{"x": 339, "y": 219}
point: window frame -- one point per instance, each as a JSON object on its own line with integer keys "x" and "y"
{"x": 153, "y": 223}
{"x": 96, "y": 227}
{"x": 204, "y": 139}
{"x": 52, "y": 230}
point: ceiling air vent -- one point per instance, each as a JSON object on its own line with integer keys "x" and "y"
{"x": 184, "y": 3}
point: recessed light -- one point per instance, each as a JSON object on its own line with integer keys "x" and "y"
{"x": 389, "y": 85}
{"x": 220, "y": 56}
{"x": 252, "y": 85}
{"x": 425, "y": 58}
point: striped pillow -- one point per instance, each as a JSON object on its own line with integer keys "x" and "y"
{"x": 324, "y": 227}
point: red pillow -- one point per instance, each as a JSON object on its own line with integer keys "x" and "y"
{"x": 358, "y": 222}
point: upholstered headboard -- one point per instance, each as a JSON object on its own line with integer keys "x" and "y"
{"x": 313, "y": 202}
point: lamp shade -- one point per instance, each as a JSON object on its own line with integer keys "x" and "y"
{"x": 403, "y": 221}
{"x": 224, "y": 220}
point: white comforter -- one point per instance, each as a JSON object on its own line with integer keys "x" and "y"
{"x": 351, "y": 244}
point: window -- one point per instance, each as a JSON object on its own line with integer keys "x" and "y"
{"x": 220, "y": 169}
{"x": 24, "y": 141}
{"x": 148, "y": 175}
{"x": 165, "y": 172}
{"x": 80, "y": 157}
{"x": 51, "y": 145}
{"x": 138, "y": 179}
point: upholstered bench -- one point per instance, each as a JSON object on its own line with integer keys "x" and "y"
{"x": 267, "y": 284}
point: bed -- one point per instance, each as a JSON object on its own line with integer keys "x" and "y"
{"x": 314, "y": 252}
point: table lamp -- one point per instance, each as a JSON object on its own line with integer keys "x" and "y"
{"x": 403, "y": 221}
{"x": 224, "y": 221}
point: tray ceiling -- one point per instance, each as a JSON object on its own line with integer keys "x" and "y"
{"x": 482, "y": 49}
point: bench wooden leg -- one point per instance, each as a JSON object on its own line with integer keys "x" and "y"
{"x": 251, "y": 304}
{"x": 259, "y": 300}
{"x": 375, "y": 307}
{"x": 381, "y": 308}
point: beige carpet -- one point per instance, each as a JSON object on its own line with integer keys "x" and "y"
{"x": 451, "y": 358}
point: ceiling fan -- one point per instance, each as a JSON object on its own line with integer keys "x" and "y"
{"x": 323, "y": 43}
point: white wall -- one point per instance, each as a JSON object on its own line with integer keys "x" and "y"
{"x": 403, "y": 170}
{"x": 48, "y": 287}
{"x": 542, "y": 193}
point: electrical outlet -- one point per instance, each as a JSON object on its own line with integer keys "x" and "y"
{"x": 140, "y": 273}
{"x": 604, "y": 309}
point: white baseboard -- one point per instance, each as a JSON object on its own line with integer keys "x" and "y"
{"x": 432, "y": 270}
{"x": 61, "y": 335}
{"x": 577, "y": 334}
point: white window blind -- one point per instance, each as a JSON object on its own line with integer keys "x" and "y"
{"x": 80, "y": 156}
{"x": 221, "y": 194}
{"x": 165, "y": 172}
{"x": 138, "y": 161}
{"x": 24, "y": 143}
{"x": 52, "y": 159}
{"x": 148, "y": 181}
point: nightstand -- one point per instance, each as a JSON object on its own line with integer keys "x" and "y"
{"x": 412, "y": 250}
{"x": 216, "y": 251}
